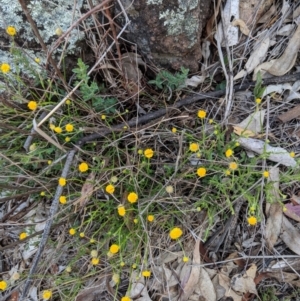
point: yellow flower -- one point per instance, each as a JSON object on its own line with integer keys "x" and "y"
{"x": 68, "y": 102}
{"x": 68, "y": 269}
{"x": 134, "y": 266}
{"x": 95, "y": 261}
{"x": 233, "y": 166}
{"x": 121, "y": 210}
{"x": 201, "y": 114}
{"x": 252, "y": 220}
{"x": 32, "y": 105}
{"x": 72, "y": 231}
{"x": 49, "y": 162}
{"x": 229, "y": 153}
{"x": 174, "y": 130}
{"x": 227, "y": 172}
{"x": 135, "y": 220}
{"x": 5, "y": 68}
{"x": 37, "y": 60}
{"x": 146, "y": 273}
{"x": 114, "y": 249}
{"x": 140, "y": 151}
{"x": 81, "y": 234}
{"x": 201, "y": 172}
{"x": 58, "y": 31}
{"x": 194, "y": 147}
{"x": 126, "y": 298}
{"x": 210, "y": 121}
{"x": 116, "y": 278}
{"x": 150, "y": 218}
{"x": 3, "y": 285}
{"x": 132, "y": 197}
{"x": 237, "y": 144}
{"x": 83, "y": 167}
{"x": 10, "y": 30}
{"x": 62, "y": 182}
{"x": 169, "y": 189}
{"x": 103, "y": 117}
{"x": 69, "y": 127}
{"x": 57, "y": 129}
{"x": 67, "y": 139}
{"x": 292, "y": 154}
{"x": 62, "y": 199}
{"x": 266, "y": 174}
{"x": 175, "y": 233}
{"x": 122, "y": 263}
{"x": 110, "y": 189}
{"x": 148, "y": 153}
{"x": 52, "y": 126}
{"x": 114, "y": 179}
{"x": 185, "y": 259}
{"x": 47, "y": 294}
{"x": 284, "y": 209}
{"x": 94, "y": 253}
{"x": 23, "y": 235}
{"x": 258, "y": 100}
{"x": 92, "y": 240}
{"x": 43, "y": 193}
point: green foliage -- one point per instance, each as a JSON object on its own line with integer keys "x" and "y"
{"x": 166, "y": 80}
{"x": 258, "y": 89}
{"x": 89, "y": 90}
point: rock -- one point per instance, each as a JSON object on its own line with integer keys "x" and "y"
{"x": 168, "y": 32}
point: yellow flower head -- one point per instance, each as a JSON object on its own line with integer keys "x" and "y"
{"x": 37, "y": 60}
{"x": 72, "y": 231}
{"x": 201, "y": 172}
{"x": 148, "y": 153}
{"x": 57, "y": 129}
{"x": 58, "y": 31}
{"x": 68, "y": 269}
{"x": 43, "y": 193}
{"x": 83, "y": 167}
{"x": 266, "y": 174}
{"x": 52, "y": 126}
{"x": 68, "y": 102}
{"x": 175, "y": 233}
{"x": 121, "y": 210}
{"x": 140, "y": 151}
{"x": 227, "y": 172}
{"x": 201, "y": 114}
{"x": 174, "y": 130}
{"x": 3, "y": 285}
{"x": 49, "y": 162}
{"x": 32, "y": 105}
{"x": 114, "y": 179}
{"x": 110, "y": 189}
{"x": 210, "y": 121}
{"x": 10, "y": 30}
{"x": 5, "y": 68}
{"x": 67, "y": 139}
{"x": 92, "y": 240}
{"x": 252, "y": 220}
{"x": 169, "y": 189}
{"x": 292, "y": 154}
{"x": 132, "y": 197}
{"x": 125, "y": 298}
{"x": 258, "y": 100}
{"x": 95, "y": 261}
{"x": 103, "y": 117}
{"x": 150, "y": 218}
{"x": 114, "y": 249}
{"x": 146, "y": 273}
{"x": 134, "y": 266}
{"x": 23, "y": 235}
{"x": 62, "y": 199}
{"x": 194, "y": 147}
{"x": 233, "y": 166}
{"x": 69, "y": 127}
{"x": 94, "y": 253}
{"x": 229, "y": 153}
{"x": 115, "y": 278}
{"x": 81, "y": 234}
{"x": 185, "y": 259}
{"x": 47, "y": 294}
{"x": 122, "y": 263}
{"x": 62, "y": 182}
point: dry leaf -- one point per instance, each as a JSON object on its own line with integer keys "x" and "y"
{"x": 286, "y": 62}
{"x": 290, "y": 114}
{"x": 275, "y": 154}
{"x": 267, "y": 16}
{"x": 86, "y": 190}
{"x": 252, "y": 125}
{"x": 245, "y": 283}
{"x": 262, "y": 68}
{"x": 88, "y": 294}
{"x": 274, "y": 210}
{"x": 292, "y": 211}
{"x": 224, "y": 281}
{"x": 285, "y": 30}
{"x": 290, "y": 236}
{"x": 188, "y": 285}
{"x": 206, "y": 286}
{"x": 242, "y": 25}
{"x": 195, "y": 81}
{"x": 251, "y": 10}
